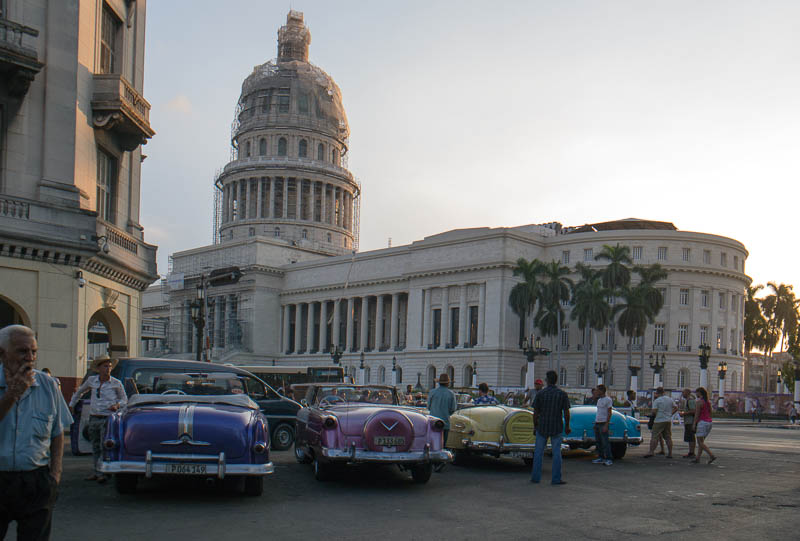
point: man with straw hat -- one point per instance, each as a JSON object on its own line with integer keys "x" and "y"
{"x": 442, "y": 404}
{"x": 106, "y": 395}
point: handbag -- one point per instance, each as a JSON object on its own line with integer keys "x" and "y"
{"x": 651, "y": 421}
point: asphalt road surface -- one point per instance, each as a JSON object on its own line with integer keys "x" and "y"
{"x": 751, "y": 492}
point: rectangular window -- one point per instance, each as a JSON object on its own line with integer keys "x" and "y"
{"x": 437, "y": 327}
{"x": 733, "y": 338}
{"x": 683, "y": 334}
{"x": 473, "y": 325}
{"x": 722, "y": 301}
{"x": 685, "y": 254}
{"x": 707, "y": 257}
{"x": 723, "y": 259}
{"x": 663, "y": 291}
{"x": 302, "y": 104}
{"x": 662, "y": 253}
{"x": 265, "y": 103}
{"x": 588, "y": 255}
{"x": 703, "y": 334}
{"x": 109, "y": 29}
{"x": 684, "y": 297}
{"x": 658, "y": 338}
{"x": 454, "y": 314}
{"x": 106, "y": 185}
{"x": 704, "y": 294}
{"x": 736, "y": 262}
{"x": 283, "y": 100}
{"x": 734, "y": 304}
{"x": 565, "y": 336}
{"x": 720, "y": 330}
{"x": 565, "y": 257}
{"x": 637, "y": 253}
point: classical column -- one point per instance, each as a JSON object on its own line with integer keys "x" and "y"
{"x": 349, "y": 337}
{"x": 286, "y": 314}
{"x": 271, "y": 209}
{"x": 298, "y": 328}
{"x": 219, "y": 321}
{"x": 285, "y": 210}
{"x": 260, "y": 197}
{"x": 322, "y": 202}
{"x": 224, "y": 205}
{"x": 393, "y": 324}
{"x": 446, "y": 338}
{"x": 323, "y": 325}
{"x": 299, "y": 186}
{"x": 310, "y": 328}
{"x": 379, "y": 322}
{"x": 426, "y": 317}
{"x": 243, "y": 199}
{"x": 363, "y": 342}
{"x": 462, "y": 317}
{"x": 337, "y": 322}
{"x": 481, "y": 312}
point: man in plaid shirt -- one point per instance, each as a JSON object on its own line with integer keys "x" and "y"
{"x": 551, "y": 419}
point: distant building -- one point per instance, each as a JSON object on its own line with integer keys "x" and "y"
{"x": 288, "y": 215}
{"x": 73, "y": 259}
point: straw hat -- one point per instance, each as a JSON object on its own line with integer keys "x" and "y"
{"x": 444, "y": 379}
{"x": 103, "y": 359}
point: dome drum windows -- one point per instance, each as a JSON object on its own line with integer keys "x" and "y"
{"x": 262, "y": 147}
{"x": 284, "y": 97}
{"x": 302, "y": 148}
{"x": 282, "y": 146}
{"x": 321, "y": 152}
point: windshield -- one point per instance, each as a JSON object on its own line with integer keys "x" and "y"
{"x": 198, "y": 384}
{"x": 345, "y": 394}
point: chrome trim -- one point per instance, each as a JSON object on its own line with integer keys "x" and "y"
{"x": 629, "y": 440}
{"x": 129, "y": 466}
{"x": 358, "y": 455}
{"x": 501, "y": 447}
{"x": 186, "y": 428}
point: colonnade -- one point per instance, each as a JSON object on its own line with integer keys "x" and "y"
{"x": 456, "y": 322}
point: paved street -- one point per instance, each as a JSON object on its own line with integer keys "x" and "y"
{"x": 751, "y": 492}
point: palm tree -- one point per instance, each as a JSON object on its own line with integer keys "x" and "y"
{"x": 616, "y": 275}
{"x": 524, "y": 295}
{"x": 649, "y": 275}
{"x": 587, "y": 274}
{"x": 549, "y": 315}
{"x": 635, "y": 312}
{"x": 754, "y": 320}
{"x": 591, "y": 310}
{"x": 783, "y": 316}
{"x": 556, "y": 287}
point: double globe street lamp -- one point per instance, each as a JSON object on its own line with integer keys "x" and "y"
{"x": 198, "y": 312}
{"x": 704, "y": 356}
{"x": 600, "y": 369}
{"x": 531, "y": 349}
{"x": 657, "y": 363}
{"x": 722, "y": 369}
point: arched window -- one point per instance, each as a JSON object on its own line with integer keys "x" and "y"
{"x": 335, "y": 157}
{"x": 451, "y": 373}
{"x": 305, "y": 233}
{"x": 468, "y": 372}
{"x": 262, "y": 147}
{"x": 367, "y": 374}
{"x": 430, "y": 381}
{"x": 282, "y": 146}
{"x": 582, "y": 376}
{"x": 277, "y": 232}
{"x": 382, "y": 374}
{"x": 399, "y": 375}
{"x": 330, "y": 239}
{"x": 562, "y": 376}
{"x": 302, "y": 149}
{"x": 682, "y": 378}
{"x": 320, "y": 152}
{"x": 247, "y": 149}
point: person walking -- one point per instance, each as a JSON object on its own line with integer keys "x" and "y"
{"x": 442, "y": 404}
{"x": 107, "y": 395}
{"x": 550, "y": 420}
{"x": 688, "y": 405}
{"x": 601, "y": 421}
{"x": 484, "y": 398}
{"x": 702, "y": 424}
{"x": 33, "y": 418}
{"x": 793, "y": 412}
{"x": 662, "y": 426}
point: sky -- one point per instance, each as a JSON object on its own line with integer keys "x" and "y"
{"x": 478, "y": 114}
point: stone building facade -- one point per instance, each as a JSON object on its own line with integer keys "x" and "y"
{"x": 72, "y": 119}
{"x": 436, "y": 305}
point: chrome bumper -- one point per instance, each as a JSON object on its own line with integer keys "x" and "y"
{"x": 216, "y": 465}
{"x": 586, "y": 438}
{"x": 503, "y": 447}
{"x": 358, "y": 455}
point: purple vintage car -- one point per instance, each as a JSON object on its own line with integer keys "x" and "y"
{"x": 199, "y": 425}
{"x": 348, "y": 424}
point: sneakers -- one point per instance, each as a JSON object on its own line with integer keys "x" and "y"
{"x": 598, "y": 461}
{"x": 608, "y": 463}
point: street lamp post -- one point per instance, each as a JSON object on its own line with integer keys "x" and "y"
{"x": 778, "y": 383}
{"x": 657, "y": 364}
{"x": 336, "y": 354}
{"x": 198, "y": 310}
{"x": 394, "y": 371}
{"x": 361, "y": 370}
{"x": 531, "y": 349}
{"x": 634, "y": 376}
{"x": 474, "y": 374}
{"x": 705, "y": 354}
{"x": 722, "y": 369}
{"x": 600, "y": 369}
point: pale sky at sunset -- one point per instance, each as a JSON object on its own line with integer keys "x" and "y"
{"x": 467, "y": 115}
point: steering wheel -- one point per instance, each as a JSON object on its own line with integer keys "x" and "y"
{"x": 173, "y": 391}
{"x": 330, "y": 400}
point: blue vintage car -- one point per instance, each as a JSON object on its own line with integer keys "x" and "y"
{"x": 622, "y": 432}
{"x": 196, "y": 425}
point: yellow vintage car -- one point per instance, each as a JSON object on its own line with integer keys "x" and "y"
{"x": 492, "y": 430}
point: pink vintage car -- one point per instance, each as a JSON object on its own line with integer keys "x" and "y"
{"x": 348, "y": 424}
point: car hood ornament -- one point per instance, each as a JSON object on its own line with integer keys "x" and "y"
{"x": 389, "y": 428}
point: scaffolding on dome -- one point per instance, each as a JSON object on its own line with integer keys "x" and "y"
{"x": 357, "y": 217}
{"x": 217, "y": 210}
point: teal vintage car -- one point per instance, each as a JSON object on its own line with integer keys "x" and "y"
{"x": 623, "y": 431}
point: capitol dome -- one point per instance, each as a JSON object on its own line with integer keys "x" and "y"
{"x": 287, "y": 179}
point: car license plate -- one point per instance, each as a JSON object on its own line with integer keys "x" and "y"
{"x": 522, "y": 454}
{"x": 390, "y": 441}
{"x": 186, "y": 469}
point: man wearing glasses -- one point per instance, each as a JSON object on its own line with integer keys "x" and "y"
{"x": 107, "y": 395}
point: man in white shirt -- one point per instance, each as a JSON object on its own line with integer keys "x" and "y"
{"x": 664, "y": 407}
{"x": 107, "y": 395}
{"x": 601, "y": 421}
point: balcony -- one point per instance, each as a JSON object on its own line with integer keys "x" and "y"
{"x": 684, "y": 348}
{"x": 118, "y": 107}
{"x": 19, "y": 62}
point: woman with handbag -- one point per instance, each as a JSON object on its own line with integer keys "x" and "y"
{"x": 702, "y": 424}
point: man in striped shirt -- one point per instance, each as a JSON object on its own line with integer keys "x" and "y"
{"x": 550, "y": 419}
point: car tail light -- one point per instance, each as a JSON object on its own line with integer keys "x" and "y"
{"x": 260, "y": 448}
{"x": 438, "y": 424}
{"x": 109, "y": 444}
{"x": 329, "y": 422}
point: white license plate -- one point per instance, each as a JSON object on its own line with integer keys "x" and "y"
{"x": 521, "y": 454}
{"x": 185, "y": 469}
{"x": 390, "y": 441}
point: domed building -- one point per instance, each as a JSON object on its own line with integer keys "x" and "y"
{"x": 286, "y": 178}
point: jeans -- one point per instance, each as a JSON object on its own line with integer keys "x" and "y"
{"x": 538, "y": 453}
{"x": 27, "y": 497}
{"x": 96, "y": 429}
{"x": 603, "y": 447}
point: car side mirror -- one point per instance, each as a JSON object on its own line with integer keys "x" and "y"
{"x": 304, "y": 402}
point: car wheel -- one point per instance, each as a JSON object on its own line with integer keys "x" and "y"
{"x": 125, "y": 483}
{"x": 421, "y": 473}
{"x": 322, "y": 471}
{"x": 282, "y": 437}
{"x": 618, "y": 449}
{"x": 301, "y": 455}
{"x": 253, "y": 485}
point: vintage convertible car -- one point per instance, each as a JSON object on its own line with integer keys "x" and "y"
{"x": 348, "y": 424}
{"x": 622, "y": 431}
{"x": 197, "y": 425}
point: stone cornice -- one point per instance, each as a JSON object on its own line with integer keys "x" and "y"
{"x": 120, "y": 274}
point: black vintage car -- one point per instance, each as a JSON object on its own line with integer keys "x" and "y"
{"x": 138, "y": 374}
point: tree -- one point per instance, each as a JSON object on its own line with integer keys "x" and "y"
{"x": 635, "y": 312}
{"x": 782, "y": 313}
{"x": 587, "y": 275}
{"x": 616, "y": 275}
{"x": 754, "y": 321}
{"x": 591, "y": 309}
{"x": 524, "y": 295}
{"x": 649, "y": 275}
{"x": 555, "y": 288}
